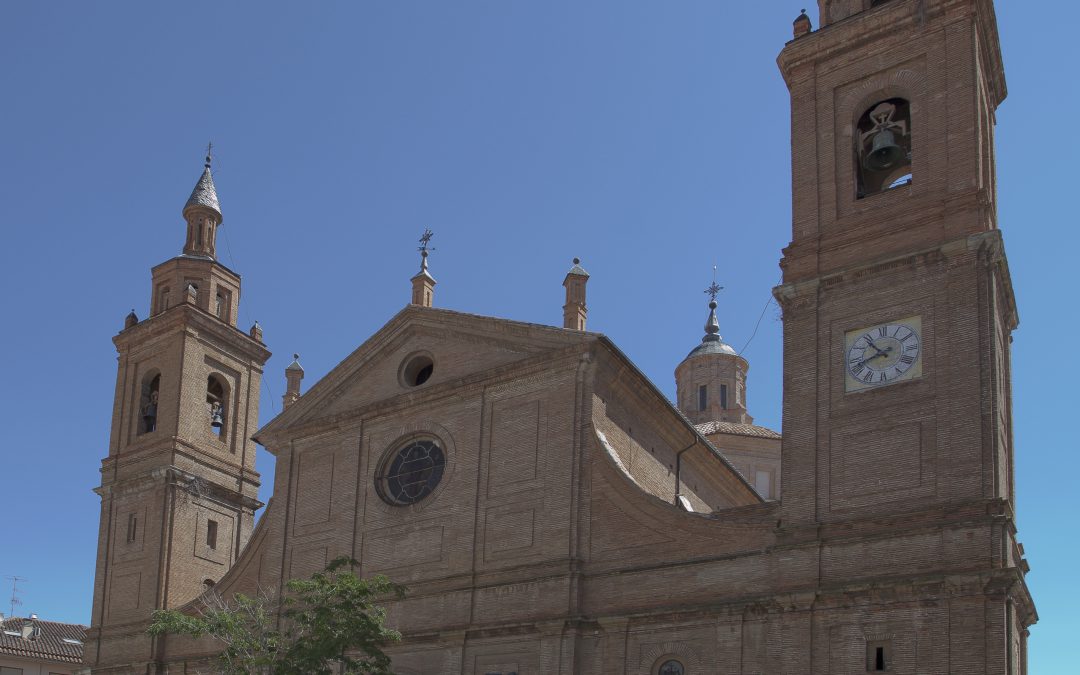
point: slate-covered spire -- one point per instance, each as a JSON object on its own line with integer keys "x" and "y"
{"x": 203, "y": 214}
{"x": 712, "y": 325}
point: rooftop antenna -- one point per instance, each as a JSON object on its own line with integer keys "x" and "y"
{"x": 15, "y": 592}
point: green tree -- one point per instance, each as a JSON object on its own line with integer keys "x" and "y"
{"x": 329, "y": 624}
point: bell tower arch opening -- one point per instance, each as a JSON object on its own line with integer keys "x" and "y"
{"x": 217, "y": 403}
{"x": 148, "y": 402}
{"x": 883, "y": 147}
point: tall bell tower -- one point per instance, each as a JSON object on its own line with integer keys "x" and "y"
{"x": 179, "y": 486}
{"x": 898, "y": 314}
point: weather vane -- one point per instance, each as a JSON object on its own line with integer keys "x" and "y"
{"x": 425, "y": 239}
{"x": 714, "y": 289}
{"x": 209, "y": 156}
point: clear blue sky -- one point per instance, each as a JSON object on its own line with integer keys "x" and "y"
{"x": 649, "y": 138}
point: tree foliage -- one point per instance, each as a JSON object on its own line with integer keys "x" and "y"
{"x": 324, "y": 625}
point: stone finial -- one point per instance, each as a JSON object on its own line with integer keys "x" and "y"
{"x": 423, "y": 284}
{"x": 575, "y": 310}
{"x": 802, "y": 25}
{"x": 130, "y": 320}
{"x": 293, "y": 375}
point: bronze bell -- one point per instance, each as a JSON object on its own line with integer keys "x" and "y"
{"x": 216, "y": 420}
{"x": 884, "y": 152}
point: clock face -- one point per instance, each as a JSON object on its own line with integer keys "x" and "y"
{"x": 883, "y": 354}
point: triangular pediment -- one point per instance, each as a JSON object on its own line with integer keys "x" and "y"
{"x": 460, "y": 346}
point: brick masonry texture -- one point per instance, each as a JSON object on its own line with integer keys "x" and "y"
{"x": 582, "y": 523}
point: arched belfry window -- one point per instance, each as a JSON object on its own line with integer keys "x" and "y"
{"x": 216, "y": 404}
{"x": 883, "y": 147}
{"x": 148, "y": 403}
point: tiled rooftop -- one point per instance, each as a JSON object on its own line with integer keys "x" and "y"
{"x": 717, "y": 427}
{"x": 52, "y": 641}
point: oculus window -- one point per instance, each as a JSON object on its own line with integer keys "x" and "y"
{"x": 412, "y": 472}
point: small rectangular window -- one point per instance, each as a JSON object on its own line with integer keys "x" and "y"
{"x": 763, "y": 483}
{"x": 211, "y": 534}
{"x": 723, "y": 396}
{"x": 878, "y": 656}
{"x": 702, "y": 397}
{"x": 132, "y": 527}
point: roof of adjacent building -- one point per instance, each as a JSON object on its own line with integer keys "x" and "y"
{"x": 718, "y": 427}
{"x": 52, "y": 641}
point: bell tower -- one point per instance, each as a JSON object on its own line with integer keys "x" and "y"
{"x": 178, "y": 487}
{"x": 898, "y": 314}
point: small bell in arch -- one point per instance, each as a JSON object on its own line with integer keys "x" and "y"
{"x": 150, "y": 412}
{"x": 216, "y": 417}
{"x": 884, "y": 152}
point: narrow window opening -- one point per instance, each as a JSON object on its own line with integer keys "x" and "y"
{"x": 219, "y": 306}
{"x": 211, "y": 534}
{"x": 723, "y": 396}
{"x": 878, "y": 657}
{"x": 163, "y": 299}
{"x": 702, "y": 397}
{"x": 132, "y": 527}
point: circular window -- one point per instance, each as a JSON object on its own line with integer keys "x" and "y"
{"x": 671, "y": 667}
{"x": 412, "y": 472}
{"x": 417, "y": 370}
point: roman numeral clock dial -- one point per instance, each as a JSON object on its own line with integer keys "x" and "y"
{"x": 882, "y": 355}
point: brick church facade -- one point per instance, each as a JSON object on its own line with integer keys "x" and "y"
{"x": 550, "y": 510}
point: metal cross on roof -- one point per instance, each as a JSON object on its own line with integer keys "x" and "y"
{"x": 425, "y": 239}
{"x": 714, "y": 289}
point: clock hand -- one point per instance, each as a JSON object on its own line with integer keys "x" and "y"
{"x": 880, "y": 352}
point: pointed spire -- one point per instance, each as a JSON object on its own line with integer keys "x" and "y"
{"x": 205, "y": 194}
{"x": 203, "y": 214}
{"x": 712, "y": 325}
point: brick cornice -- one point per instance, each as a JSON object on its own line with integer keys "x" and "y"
{"x": 183, "y": 318}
